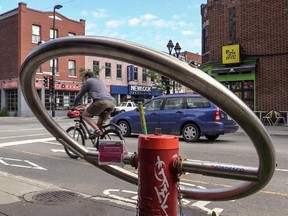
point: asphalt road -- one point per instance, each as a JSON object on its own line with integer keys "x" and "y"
{"x": 28, "y": 150}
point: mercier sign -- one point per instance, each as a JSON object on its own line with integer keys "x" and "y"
{"x": 140, "y": 90}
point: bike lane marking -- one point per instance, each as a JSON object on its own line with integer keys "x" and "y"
{"x": 23, "y": 142}
{"x": 20, "y": 163}
{"x": 116, "y": 194}
{"x": 21, "y": 136}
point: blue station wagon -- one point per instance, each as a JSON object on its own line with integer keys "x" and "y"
{"x": 188, "y": 115}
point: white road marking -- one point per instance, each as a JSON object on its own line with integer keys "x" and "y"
{"x": 202, "y": 205}
{"x": 21, "y": 136}
{"x": 115, "y": 194}
{"x": 23, "y": 129}
{"x": 12, "y": 162}
{"x": 282, "y": 170}
{"x": 58, "y": 150}
{"x": 22, "y": 142}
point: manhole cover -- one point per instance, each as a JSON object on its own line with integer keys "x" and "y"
{"x": 52, "y": 197}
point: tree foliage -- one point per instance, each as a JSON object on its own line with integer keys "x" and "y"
{"x": 157, "y": 81}
{"x": 96, "y": 72}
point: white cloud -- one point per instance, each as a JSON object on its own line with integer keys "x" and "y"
{"x": 134, "y": 21}
{"x": 186, "y": 33}
{"x": 100, "y": 13}
{"x": 114, "y": 23}
{"x": 159, "y": 23}
{"x": 148, "y": 17}
{"x": 90, "y": 28}
{"x": 179, "y": 16}
{"x": 84, "y": 13}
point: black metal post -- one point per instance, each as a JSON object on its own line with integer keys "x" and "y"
{"x": 53, "y": 95}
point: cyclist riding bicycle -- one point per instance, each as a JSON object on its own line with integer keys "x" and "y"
{"x": 102, "y": 100}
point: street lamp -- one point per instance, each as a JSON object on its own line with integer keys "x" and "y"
{"x": 53, "y": 98}
{"x": 170, "y": 46}
{"x": 177, "y": 49}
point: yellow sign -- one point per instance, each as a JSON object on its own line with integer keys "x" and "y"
{"x": 231, "y": 54}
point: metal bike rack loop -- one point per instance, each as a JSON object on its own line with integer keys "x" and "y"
{"x": 254, "y": 178}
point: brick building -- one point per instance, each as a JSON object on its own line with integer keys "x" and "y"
{"x": 245, "y": 47}
{"x": 21, "y": 30}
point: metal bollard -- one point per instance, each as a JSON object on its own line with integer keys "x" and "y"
{"x": 158, "y": 179}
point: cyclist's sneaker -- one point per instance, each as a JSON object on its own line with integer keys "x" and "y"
{"x": 96, "y": 133}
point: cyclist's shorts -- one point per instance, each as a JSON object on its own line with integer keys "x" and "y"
{"x": 99, "y": 106}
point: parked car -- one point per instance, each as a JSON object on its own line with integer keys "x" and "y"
{"x": 124, "y": 107}
{"x": 188, "y": 115}
{"x": 77, "y": 111}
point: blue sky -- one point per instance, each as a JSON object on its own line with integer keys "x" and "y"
{"x": 151, "y": 23}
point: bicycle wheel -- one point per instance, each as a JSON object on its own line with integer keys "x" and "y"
{"x": 110, "y": 134}
{"x": 78, "y": 136}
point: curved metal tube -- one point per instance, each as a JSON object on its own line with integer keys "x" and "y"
{"x": 167, "y": 66}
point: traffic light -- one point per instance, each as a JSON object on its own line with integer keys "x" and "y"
{"x": 165, "y": 81}
{"x": 45, "y": 81}
{"x": 166, "y": 84}
{"x": 51, "y": 84}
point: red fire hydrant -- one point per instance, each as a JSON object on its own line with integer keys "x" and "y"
{"x": 157, "y": 179}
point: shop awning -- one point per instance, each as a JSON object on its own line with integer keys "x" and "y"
{"x": 244, "y": 68}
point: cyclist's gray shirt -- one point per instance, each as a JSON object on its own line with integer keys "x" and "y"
{"x": 96, "y": 89}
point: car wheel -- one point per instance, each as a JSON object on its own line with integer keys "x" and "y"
{"x": 190, "y": 133}
{"x": 125, "y": 128}
{"x": 122, "y": 111}
{"x": 212, "y": 137}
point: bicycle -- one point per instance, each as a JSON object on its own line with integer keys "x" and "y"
{"x": 80, "y": 132}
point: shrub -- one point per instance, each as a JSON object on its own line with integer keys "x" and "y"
{"x": 4, "y": 112}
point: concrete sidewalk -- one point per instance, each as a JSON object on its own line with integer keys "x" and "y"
{"x": 281, "y": 130}
{"x": 20, "y": 196}
{"x": 25, "y": 197}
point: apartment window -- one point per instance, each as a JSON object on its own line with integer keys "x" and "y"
{"x": 144, "y": 74}
{"x": 55, "y": 66}
{"x": 119, "y": 71}
{"x": 51, "y": 34}
{"x": 232, "y": 25}
{"x": 35, "y": 33}
{"x": 95, "y": 65}
{"x": 12, "y": 99}
{"x": 205, "y": 40}
{"x": 72, "y": 67}
{"x": 135, "y": 73}
{"x": 108, "y": 70}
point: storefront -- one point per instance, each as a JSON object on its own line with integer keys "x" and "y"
{"x": 135, "y": 93}
{"x": 236, "y": 74}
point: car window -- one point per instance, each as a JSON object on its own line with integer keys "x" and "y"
{"x": 153, "y": 105}
{"x": 173, "y": 103}
{"x": 197, "y": 103}
{"x": 128, "y": 105}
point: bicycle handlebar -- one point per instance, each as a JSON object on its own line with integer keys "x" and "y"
{"x": 166, "y": 65}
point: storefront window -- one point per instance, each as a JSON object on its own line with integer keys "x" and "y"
{"x": 12, "y": 100}
{"x": 63, "y": 99}
{"x": 244, "y": 90}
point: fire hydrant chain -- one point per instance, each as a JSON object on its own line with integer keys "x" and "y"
{"x": 181, "y": 213}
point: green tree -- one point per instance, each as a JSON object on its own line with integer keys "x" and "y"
{"x": 96, "y": 72}
{"x": 157, "y": 81}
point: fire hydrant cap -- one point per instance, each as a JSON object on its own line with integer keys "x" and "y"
{"x": 159, "y": 142}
